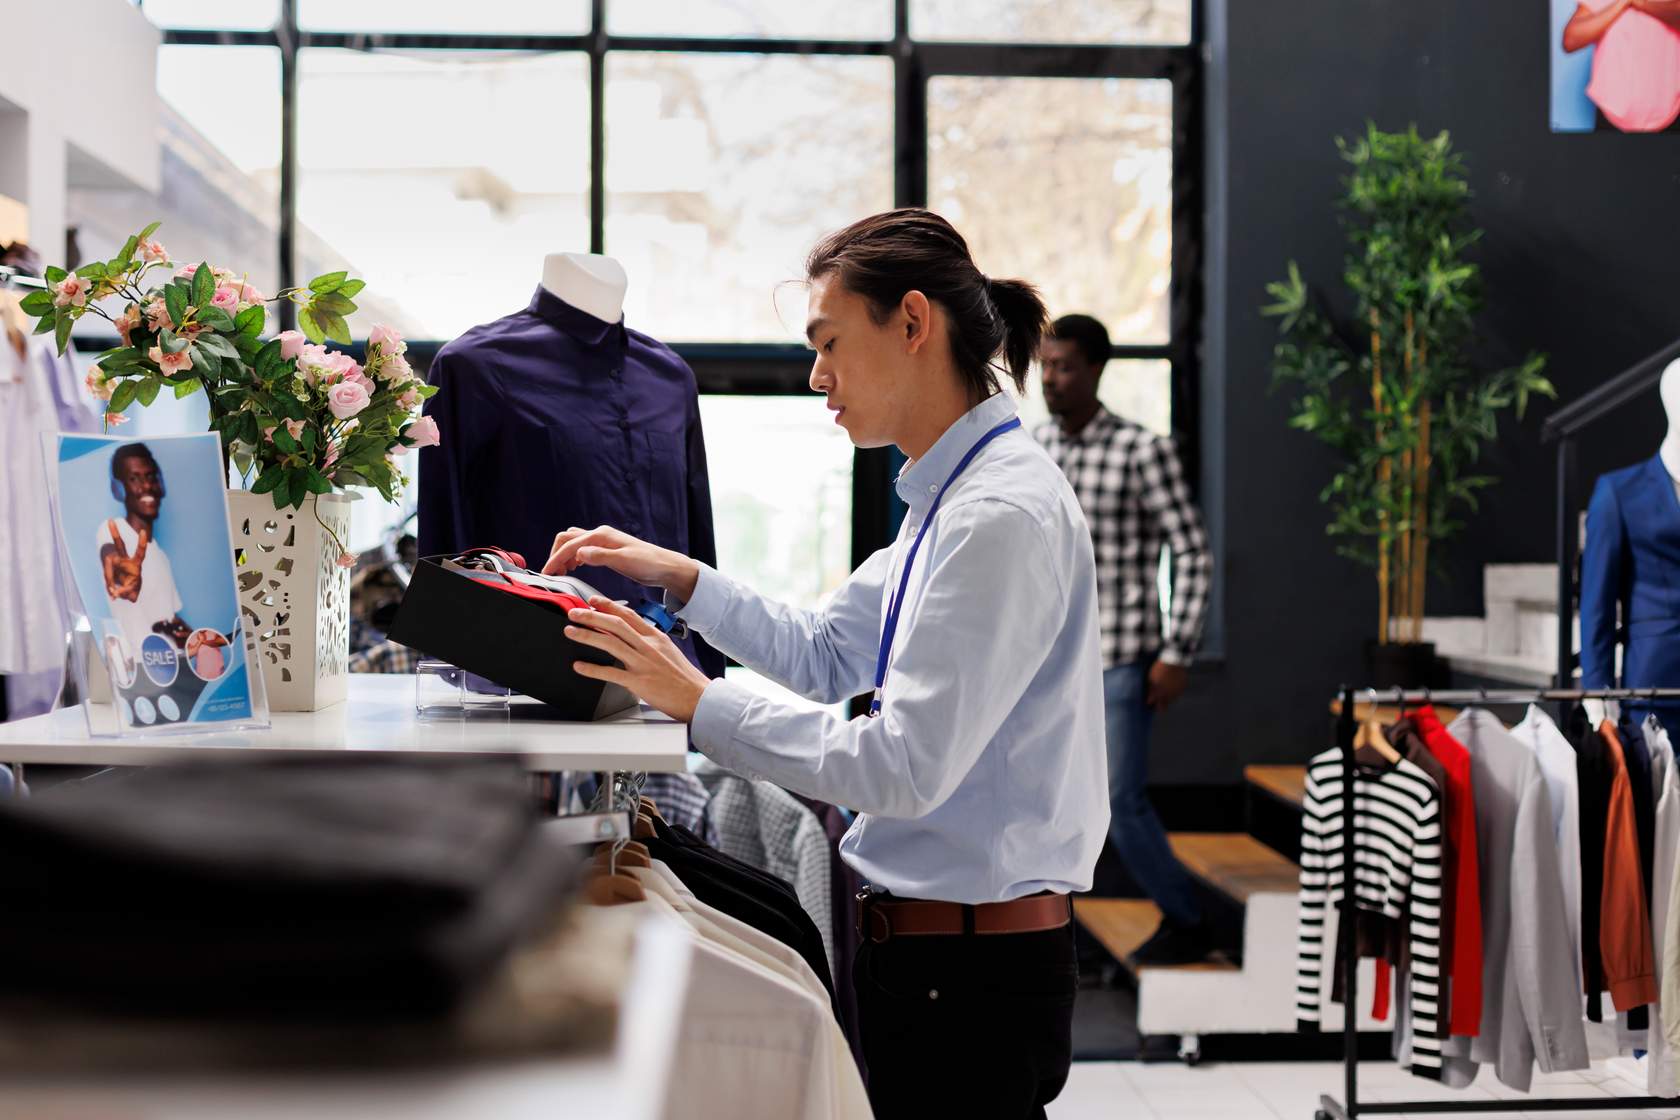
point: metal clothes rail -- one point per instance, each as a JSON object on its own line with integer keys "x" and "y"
{"x": 1350, "y": 1106}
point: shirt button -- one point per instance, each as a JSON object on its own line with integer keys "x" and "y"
{"x": 934, "y": 489}
{"x": 624, "y": 424}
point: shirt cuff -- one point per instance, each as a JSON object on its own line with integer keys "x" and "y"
{"x": 1177, "y": 657}
{"x": 705, "y": 608}
{"x": 722, "y": 708}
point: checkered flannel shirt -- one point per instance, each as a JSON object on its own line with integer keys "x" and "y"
{"x": 1131, "y": 486}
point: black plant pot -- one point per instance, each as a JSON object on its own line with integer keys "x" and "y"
{"x": 1399, "y": 664}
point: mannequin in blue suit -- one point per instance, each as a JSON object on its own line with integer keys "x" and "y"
{"x": 1631, "y": 560}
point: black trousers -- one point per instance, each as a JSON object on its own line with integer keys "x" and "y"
{"x": 978, "y": 1026}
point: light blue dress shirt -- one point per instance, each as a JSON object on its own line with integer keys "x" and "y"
{"x": 984, "y": 777}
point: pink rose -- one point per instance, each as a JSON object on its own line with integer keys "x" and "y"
{"x": 226, "y": 298}
{"x": 332, "y": 457}
{"x": 153, "y": 252}
{"x": 396, "y": 368}
{"x": 222, "y": 274}
{"x": 170, "y": 364}
{"x": 249, "y": 294}
{"x": 346, "y": 560}
{"x": 357, "y": 376}
{"x": 112, "y": 419}
{"x": 410, "y": 398}
{"x": 268, "y": 433}
{"x": 291, "y": 344}
{"x": 346, "y": 399}
{"x": 423, "y": 433}
{"x": 126, "y": 323}
{"x": 72, "y": 291}
{"x": 186, "y": 272}
{"x": 97, "y": 385}
{"x": 387, "y": 339}
{"x": 295, "y": 427}
{"x": 157, "y": 315}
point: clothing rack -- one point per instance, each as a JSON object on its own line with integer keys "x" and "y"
{"x": 1329, "y": 1108}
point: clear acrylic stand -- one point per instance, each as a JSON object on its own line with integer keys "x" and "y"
{"x": 443, "y": 691}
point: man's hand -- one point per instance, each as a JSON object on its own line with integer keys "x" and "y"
{"x": 654, "y": 668}
{"x": 122, "y": 571}
{"x": 645, "y": 563}
{"x": 200, "y": 638}
{"x": 1166, "y": 684}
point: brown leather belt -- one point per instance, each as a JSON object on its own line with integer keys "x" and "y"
{"x": 881, "y": 917}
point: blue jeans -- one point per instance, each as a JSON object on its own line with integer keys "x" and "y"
{"x": 1139, "y": 839}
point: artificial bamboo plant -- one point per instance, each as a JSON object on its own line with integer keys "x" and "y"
{"x": 1391, "y": 386}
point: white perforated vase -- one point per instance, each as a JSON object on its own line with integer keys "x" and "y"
{"x": 294, "y": 596}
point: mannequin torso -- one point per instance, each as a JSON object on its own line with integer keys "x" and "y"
{"x": 591, "y": 283}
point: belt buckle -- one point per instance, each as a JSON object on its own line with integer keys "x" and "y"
{"x": 871, "y": 917}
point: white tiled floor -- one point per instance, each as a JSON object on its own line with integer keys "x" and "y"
{"x": 1290, "y": 1091}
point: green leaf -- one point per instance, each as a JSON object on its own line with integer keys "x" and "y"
{"x": 92, "y": 270}
{"x": 127, "y": 253}
{"x": 221, "y": 344}
{"x": 269, "y": 479}
{"x": 309, "y": 439}
{"x": 351, "y": 288}
{"x": 148, "y": 391}
{"x": 328, "y": 282}
{"x": 205, "y": 360}
{"x": 175, "y": 298}
{"x": 54, "y": 274}
{"x": 47, "y": 323}
{"x": 251, "y": 320}
{"x": 269, "y": 360}
{"x": 317, "y": 482}
{"x": 332, "y": 303}
{"x": 203, "y": 287}
{"x": 284, "y": 441}
{"x": 311, "y": 326}
{"x": 186, "y": 388}
{"x": 171, "y": 343}
{"x": 428, "y": 391}
{"x": 336, "y": 328}
{"x": 62, "y": 330}
{"x": 37, "y": 303}
{"x": 215, "y": 318}
{"x": 123, "y": 396}
{"x": 146, "y": 234}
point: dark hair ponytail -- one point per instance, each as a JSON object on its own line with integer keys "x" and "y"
{"x": 884, "y": 256}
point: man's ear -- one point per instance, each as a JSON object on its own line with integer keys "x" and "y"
{"x": 117, "y": 491}
{"x": 918, "y": 319}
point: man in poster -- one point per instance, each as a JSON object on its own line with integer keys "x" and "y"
{"x": 139, "y": 581}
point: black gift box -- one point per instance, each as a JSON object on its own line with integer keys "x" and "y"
{"x": 517, "y": 642}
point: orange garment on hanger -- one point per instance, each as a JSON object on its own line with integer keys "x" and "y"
{"x": 1624, "y": 932}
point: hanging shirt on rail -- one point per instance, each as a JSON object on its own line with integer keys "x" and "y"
{"x": 1665, "y": 782}
{"x": 1461, "y": 934}
{"x": 1557, "y": 764}
{"x": 1625, "y": 923}
{"x": 552, "y": 418}
{"x": 1397, "y": 836}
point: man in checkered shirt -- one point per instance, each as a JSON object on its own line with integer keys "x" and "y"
{"x": 1131, "y": 487}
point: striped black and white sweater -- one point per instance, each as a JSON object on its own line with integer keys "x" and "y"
{"x": 1397, "y": 823}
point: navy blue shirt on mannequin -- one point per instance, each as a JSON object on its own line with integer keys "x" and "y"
{"x": 553, "y": 418}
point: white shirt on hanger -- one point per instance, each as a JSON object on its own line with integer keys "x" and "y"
{"x": 1557, "y": 764}
{"x": 159, "y": 599}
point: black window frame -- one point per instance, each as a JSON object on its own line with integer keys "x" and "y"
{"x": 781, "y": 369}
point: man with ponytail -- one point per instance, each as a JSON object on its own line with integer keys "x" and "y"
{"x": 979, "y": 773}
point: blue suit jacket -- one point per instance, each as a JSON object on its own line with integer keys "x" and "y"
{"x": 1632, "y": 558}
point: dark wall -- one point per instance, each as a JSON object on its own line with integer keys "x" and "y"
{"x": 1581, "y": 261}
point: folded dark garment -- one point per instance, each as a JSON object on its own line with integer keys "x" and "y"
{"x": 368, "y": 889}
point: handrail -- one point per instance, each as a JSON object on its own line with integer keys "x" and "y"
{"x": 1611, "y": 395}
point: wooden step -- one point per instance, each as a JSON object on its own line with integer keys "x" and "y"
{"x": 1122, "y": 924}
{"x": 1235, "y": 864}
{"x": 1286, "y": 783}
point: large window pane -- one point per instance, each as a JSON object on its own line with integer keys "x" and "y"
{"x": 441, "y": 178}
{"x": 808, "y": 19}
{"x": 1066, "y": 182}
{"x": 1139, "y": 390}
{"x": 1052, "y": 21}
{"x": 483, "y": 17}
{"x": 236, "y": 15}
{"x": 781, "y": 477}
{"x": 218, "y": 169}
{"x": 722, "y": 170}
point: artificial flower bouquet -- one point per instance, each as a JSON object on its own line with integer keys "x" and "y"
{"x": 295, "y": 417}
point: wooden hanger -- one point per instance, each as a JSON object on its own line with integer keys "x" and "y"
{"x": 612, "y": 890}
{"x": 631, "y": 855}
{"x": 1370, "y": 735}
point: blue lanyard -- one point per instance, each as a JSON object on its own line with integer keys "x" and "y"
{"x": 896, "y": 604}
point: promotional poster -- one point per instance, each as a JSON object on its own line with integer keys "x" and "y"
{"x": 144, "y": 533}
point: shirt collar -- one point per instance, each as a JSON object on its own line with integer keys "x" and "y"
{"x": 579, "y": 324}
{"x": 1096, "y": 428}
{"x": 920, "y": 479}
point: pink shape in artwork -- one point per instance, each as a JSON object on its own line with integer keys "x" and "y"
{"x": 1636, "y": 73}
{"x": 207, "y": 662}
